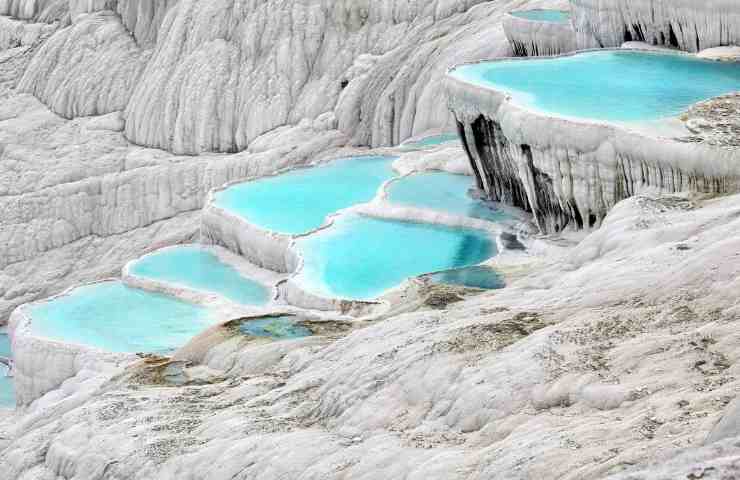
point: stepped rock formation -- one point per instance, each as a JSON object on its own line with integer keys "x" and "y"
{"x": 530, "y": 38}
{"x": 614, "y": 357}
{"x": 615, "y": 361}
{"x": 686, "y": 24}
{"x": 571, "y": 173}
{"x": 76, "y": 187}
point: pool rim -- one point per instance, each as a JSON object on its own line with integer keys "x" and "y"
{"x": 509, "y": 98}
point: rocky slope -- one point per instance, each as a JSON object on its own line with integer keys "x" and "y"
{"x": 75, "y": 187}
{"x": 617, "y": 359}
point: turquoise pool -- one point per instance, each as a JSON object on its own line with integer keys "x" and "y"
{"x": 361, "y": 257}
{"x": 554, "y": 16}
{"x": 299, "y": 201}
{"x": 481, "y": 276}
{"x": 441, "y": 191}
{"x": 433, "y": 140}
{"x": 283, "y": 327}
{"x": 621, "y": 86}
{"x": 118, "y": 318}
{"x": 7, "y": 389}
{"x": 200, "y": 269}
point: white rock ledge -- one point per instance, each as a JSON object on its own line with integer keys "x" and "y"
{"x": 690, "y": 25}
{"x": 227, "y": 308}
{"x": 42, "y": 364}
{"x": 530, "y": 38}
{"x": 573, "y": 171}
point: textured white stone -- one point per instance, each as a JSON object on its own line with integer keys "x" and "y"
{"x": 695, "y": 25}
{"x": 606, "y": 389}
{"x": 42, "y": 365}
{"x": 588, "y": 166}
{"x": 532, "y": 38}
{"x": 727, "y": 53}
{"x": 95, "y": 80}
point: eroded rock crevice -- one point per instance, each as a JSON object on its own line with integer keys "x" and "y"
{"x": 565, "y": 187}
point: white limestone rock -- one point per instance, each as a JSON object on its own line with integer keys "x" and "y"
{"x": 725, "y": 54}
{"x": 530, "y": 38}
{"x": 16, "y": 33}
{"x": 143, "y": 18}
{"x": 612, "y": 338}
{"x": 571, "y": 172}
{"x": 96, "y": 80}
{"x": 685, "y": 24}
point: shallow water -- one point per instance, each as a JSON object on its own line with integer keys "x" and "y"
{"x": 433, "y": 140}
{"x": 476, "y": 277}
{"x": 7, "y": 388}
{"x": 200, "y": 269}
{"x": 118, "y": 318}
{"x": 616, "y": 86}
{"x": 361, "y": 257}
{"x": 555, "y": 16}
{"x": 441, "y": 191}
{"x": 275, "y": 327}
{"x": 299, "y": 201}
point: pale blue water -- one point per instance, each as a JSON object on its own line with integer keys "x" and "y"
{"x": 118, "y": 318}
{"x": 433, "y": 140}
{"x": 299, "y": 201}
{"x": 555, "y": 16}
{"x": 477, "y": 277}
{"x": 7, "y": 388}
{"x": 617, "y": 86}
{"x": 196, "y": 268}
{"x": 441, "y": 191}
{"x": 275, "y": 327}
{"x": 361, "y": 257}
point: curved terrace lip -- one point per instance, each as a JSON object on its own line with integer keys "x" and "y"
{"x": 212, "y": 200}
{"x": 509, "y": 97}
{"x": 25, "y": 322}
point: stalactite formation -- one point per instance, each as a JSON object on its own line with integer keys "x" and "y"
{"x": 533, "y": 38}
{"x": 689, "y": 25}
{"x": 534, "y": 162}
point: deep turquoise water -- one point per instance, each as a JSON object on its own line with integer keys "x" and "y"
{"x": 556, "y": 16}
{"x": 299, "y": 201}
{"x": 361, "y": 257}
{"x": 441, "y": 191}
{"x": 7, "y": 389}
{"x": 433, "y": 140}
{"x": 275, "y": 327}
{"x": 617, "y": 86}
{"x": 118, "y": 318}
{"x": 200, "y": 269}
{"x": 477, "y": 277}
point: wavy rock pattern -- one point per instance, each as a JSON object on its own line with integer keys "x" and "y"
{"x": 572, "y": 173}
{"x": 226, "y": 71}
{"x": 94, "y": 80}
{"x": 530, "y": 38}
{"x": 143, "y": 18}
{"x": 686, "y": 24}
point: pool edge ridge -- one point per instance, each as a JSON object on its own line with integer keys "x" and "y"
{"x": 222, "y": 305}
{"x": 533, "y": 38}
{"x": 532, "y": 149}
{"x": 33, "y": 355}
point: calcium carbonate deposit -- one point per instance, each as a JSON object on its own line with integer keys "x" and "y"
{"x": 355, "y": 239}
